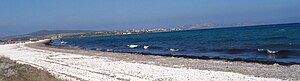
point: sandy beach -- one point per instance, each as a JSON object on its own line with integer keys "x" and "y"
{"x": 87, "y": 65}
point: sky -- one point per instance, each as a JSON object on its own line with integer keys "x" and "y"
{"x": 25, "y": 16}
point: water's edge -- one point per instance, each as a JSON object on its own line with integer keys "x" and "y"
{"x": 48, "y": 43}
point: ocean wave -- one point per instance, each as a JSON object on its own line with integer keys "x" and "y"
{"x": 269, "y": 51}
{"x": 259, "y": 51}
{"x": 174, "y": 49}
{"x": 133, "y": 46}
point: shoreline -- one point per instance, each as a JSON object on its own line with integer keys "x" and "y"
{"x": 47, "y": 43}
{"x": 77, "y": 65}
{"x": 213, "y": 58}
{"x": 269, "y": 70}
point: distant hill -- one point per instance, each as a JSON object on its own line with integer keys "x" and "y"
{"x": 51, "y": 32}
{"x": 42, "y": 33}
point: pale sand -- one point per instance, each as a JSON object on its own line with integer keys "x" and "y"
{"x": 75, "y": 64}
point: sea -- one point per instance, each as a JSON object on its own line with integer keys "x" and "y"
{"x": 274, "y": 43}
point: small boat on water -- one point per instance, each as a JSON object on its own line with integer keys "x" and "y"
{"x": 132, "y": 46}
{"x": 174, "y": 49}
{"x": 146, "y": 47}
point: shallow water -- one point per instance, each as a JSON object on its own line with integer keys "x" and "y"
{"x": 278, "y": 43}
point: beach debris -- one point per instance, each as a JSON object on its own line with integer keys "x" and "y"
{"x": 146, "y": 47}
{"x": 271, "y": 51}
{"x": 174, "y": 49}
{"x": 132, "y": 46}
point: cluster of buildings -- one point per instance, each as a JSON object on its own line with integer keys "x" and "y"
{"x": 142, "y": 31}
{"x": 125, "y": 32}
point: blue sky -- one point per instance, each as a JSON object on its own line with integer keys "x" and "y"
{"x": 24, "y": 16}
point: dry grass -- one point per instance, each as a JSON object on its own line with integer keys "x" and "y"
{"x": 11, "y": 71}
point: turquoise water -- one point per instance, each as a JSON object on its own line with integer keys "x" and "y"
{"x": 278, "y": 43}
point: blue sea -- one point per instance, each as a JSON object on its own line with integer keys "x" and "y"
{"x": 276, "y": 43}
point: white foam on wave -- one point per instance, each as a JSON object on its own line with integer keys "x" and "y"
{"x": 271, "y": 51}
{"x": 109, "y": 50}
{"x": 132, "y": 46}
{"x": 63, "y": 42}
{"x": 260, "y": 49}
{"x": 146, "y": 47}
{"x": 174, "y": 49}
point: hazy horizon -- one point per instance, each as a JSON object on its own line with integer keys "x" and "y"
{"x": 20, "y": 17}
